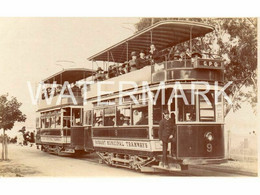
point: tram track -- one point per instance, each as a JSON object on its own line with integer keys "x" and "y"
{"x": 193, "y": 171}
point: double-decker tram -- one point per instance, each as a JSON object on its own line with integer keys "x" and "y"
{"x": 123, "y": 120}
{"x": 154, "y": 70}
{"x": 59, "y": 121}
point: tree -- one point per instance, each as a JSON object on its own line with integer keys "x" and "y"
{"x": 235, "y": 39}
{"x": 9, "y": 114}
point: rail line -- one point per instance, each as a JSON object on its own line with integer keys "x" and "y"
{"x": 194, "y": 170}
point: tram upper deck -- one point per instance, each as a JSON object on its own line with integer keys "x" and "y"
{"x": 71, "y": 76}
{"x": 165, "y": 36}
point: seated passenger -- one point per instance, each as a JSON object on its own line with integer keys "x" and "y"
{"x": 111, "y": 72}
{"x": 126, "y": 121}
{"x": 115, "y": 71}
{"x": 110, "y": 121}
{"x": 58, "y": 90}
{"x": 120, "y": 70}
{"x": 144, "y": 119}
{"x": 100, "y": 74}
{"x": 196, "y": 55}
{"x": 106, "y": 75}
{"x": 76, "y": 90}
{"x": 132, "y": 62}
{"x": 126, "y": 67}
{"x": 176, "y": 55}
{"x": 120, "y": 120}
{"x": 141, "y": 61}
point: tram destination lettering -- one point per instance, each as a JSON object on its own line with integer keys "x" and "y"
{"x": 122, "y": 144}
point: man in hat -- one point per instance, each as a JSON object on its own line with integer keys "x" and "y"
{"x": 154, "y": 54}
{"x": 167, "y": 128}
{"x": 195, "y": 56}
{"x": 141, "y": 61}
{"x": 132, "y": 62}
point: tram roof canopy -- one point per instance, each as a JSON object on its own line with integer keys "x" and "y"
{"x": 162, "y": 34}
{"x": 71, "y": 75}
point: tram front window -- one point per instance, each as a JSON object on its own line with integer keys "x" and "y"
{"x": 76, "y": 117}
{"x": 206, "y": 107}
{"x": 123, "y": 116}
{"x": 66, "y": 122}
{"x": 186, "y": 111}
{"x": 140, "y": 115}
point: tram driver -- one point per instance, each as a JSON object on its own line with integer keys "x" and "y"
{"x": 167, "y": 132}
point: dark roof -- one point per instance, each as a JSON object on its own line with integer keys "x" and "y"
{"x": 71, "y": 75}
{"x": 164, "y": 34}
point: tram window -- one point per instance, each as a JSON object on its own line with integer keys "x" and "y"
{"x": 123, "y": 116}
{"x": 76, "y": 117}
{"x": 43, "y": 123}
{"x": 219, "y": 110}
{"x": 157, "y": 113}
{"x": 140, "y": 115}
{"x": 186, "y": 112}
{"x": 98, "y": 118}
{"x": 47, "y": 122}
{"x": 58, "y": 121}
{"x": 109, "y": 116}
{"x": 88, "y": 117}
{"x": 66, "y": 122}
{"x": 52, "y": 122}
{"x": 66, "y": 111}
{"x": 206, "y": 107}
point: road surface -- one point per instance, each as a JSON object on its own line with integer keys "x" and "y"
{"x": 30, "y": 162}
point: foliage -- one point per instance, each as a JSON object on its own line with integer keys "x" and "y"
{"x": 235, "y": 40}
{"x": 10, "y": 112}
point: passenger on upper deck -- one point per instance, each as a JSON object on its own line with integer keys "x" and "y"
{"x": 120, "y": 70}
{"x": 195, "y": 55}
{"x": 153, "y": 54}
{"x": 111, "y": 72}
{"x": 132, "y": 62}
{"x": 99, "y": 74}
{"x": 176, "y": 55}
{"x": 141, "y": 61}
{"x": 126, "y": 67}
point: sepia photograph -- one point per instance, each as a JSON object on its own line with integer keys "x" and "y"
{"x": 128, "y": 97}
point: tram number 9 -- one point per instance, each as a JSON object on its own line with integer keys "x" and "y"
{"x": 209, "y": 147}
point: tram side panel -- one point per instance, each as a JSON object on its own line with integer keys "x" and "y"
{"x": 200, "y": 141}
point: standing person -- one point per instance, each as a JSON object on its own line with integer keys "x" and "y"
{"x": 154, "y": 55}
{"x": 167, "y": 130}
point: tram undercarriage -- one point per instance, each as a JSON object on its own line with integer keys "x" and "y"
{"x": 61, "y": 149}
{"x": 139, "y": 162}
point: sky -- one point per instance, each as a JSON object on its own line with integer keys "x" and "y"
{"x": 31, "y": 47}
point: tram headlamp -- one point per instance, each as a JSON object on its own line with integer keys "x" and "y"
{"x": 209, "y": 136}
